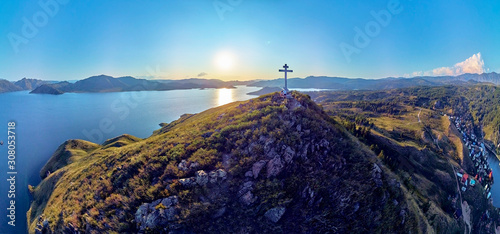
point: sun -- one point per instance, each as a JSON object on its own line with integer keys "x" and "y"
{"x": 224, "y": 60}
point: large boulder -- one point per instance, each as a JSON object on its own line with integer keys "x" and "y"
{"x": 257, "y": 167}
{"x": 201, "y": 177}
{"x": 217, "y": 175}
{"x": 275, "y": 213}
{"x": 274, "y": 167}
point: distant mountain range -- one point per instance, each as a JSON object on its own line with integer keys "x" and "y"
{"x": 340, "y": 83}
{"x": 20, "y": 85}
{"x": 104, "y": 83}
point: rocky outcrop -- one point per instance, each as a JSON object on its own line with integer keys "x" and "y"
{"x": 245, "y": 193}
{"x": 274, "y": 166}
{"x": 217, "y": 175}
{"x": 257, "y": 167}
{"x": 201, "y": 178}
{"x": 157, "y": 214}
{"x": 377, "y": 175}
{"x": 275, "y": 213}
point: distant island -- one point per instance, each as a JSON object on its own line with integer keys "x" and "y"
{"x": 47, "y": 89}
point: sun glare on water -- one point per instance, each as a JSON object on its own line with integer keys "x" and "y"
{"x": 225, "y": 96}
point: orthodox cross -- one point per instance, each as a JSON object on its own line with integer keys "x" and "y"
{"x": 285, "y": 71}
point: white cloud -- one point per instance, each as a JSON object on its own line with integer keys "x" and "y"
{"x": 474, "y": 64}
{"x": 443, "y": 71}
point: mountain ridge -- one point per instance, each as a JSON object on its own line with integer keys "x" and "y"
{"x": 104, "y": 83}
{"x": 20, "y": 85}
{"x": 342, "y": 83}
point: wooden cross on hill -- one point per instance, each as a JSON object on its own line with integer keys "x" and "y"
{"x": 285, "y": 89}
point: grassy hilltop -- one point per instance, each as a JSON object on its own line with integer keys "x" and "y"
{"x": 269, "y": 164}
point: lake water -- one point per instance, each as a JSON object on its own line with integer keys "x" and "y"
{"x": 495, "y": 188}
{"x": 43, "y": 122}
{"x": 311, "y": 89}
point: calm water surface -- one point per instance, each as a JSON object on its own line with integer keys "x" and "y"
{"x": 43, "y": 122}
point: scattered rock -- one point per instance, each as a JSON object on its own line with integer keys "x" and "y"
{"x": 247, "y": 186}
{"x": 149, "y": 215}
{"x": 183, "y": 165}
{"x": 201, "y": 177}
{"x": 356, "y": 206}
{"x": 324, "y": 143}
{"x": 170, "y": 201}
{"x": 402, "y": 213}
{"x": 188, "y": 182}
{"x": 275, "y": 214}
{"x": 194, "y": 165}
{"x": 45, "y": 224}
{"x": 289, "y": 154}
{"x": 217, "y": 175}
{"x": 274, "y": 167}
{"x": 249, "y": 174}
{"x": 394, "y": 183}
{"x": 376, "y": 175}
{"x": 218, "y": 213}
{"x": 245, "y": 193}
{"x": 257, "y": 167}
{"x": 226, "y": 161}
{"x": 247, "y": 198}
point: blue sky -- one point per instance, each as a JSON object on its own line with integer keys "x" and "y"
{"x": 243, "y": 39}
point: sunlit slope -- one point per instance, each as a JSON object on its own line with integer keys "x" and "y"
{"x": 269, "y": 164}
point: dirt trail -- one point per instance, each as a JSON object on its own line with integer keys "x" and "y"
{"x": 466, "y": 214}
